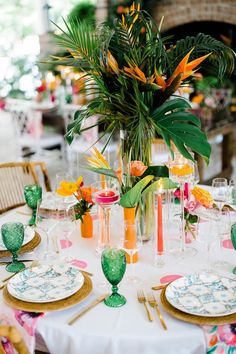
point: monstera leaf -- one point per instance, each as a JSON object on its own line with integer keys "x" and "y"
{"x": 233, "y": 235}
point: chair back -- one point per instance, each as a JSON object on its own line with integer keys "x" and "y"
{"x": 14, "y": 177}
{"x": 12, "y": 334}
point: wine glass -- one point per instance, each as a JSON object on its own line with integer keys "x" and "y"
{"x": 181, "y": 171}
{"x": 131, "y": 244}
{"x": 207, "y": 234}
{"x": 46, "y": 221}
{"x": 32, "y": 193}
{"x": 220, "y": 192}
{"x": 232, "y": 191}
{"x": 13, "y": 237}
{"x": 113, "y": 265}
{"x": 66, "y": 225}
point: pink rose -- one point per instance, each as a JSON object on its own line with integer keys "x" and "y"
{"x": 227, "y": 334}
{"x": 191, "y": 204}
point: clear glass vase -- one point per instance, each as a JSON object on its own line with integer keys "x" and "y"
{"x": 130, "y": 151}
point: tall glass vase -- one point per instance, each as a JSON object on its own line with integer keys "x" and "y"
{"x": 133, "y": 149}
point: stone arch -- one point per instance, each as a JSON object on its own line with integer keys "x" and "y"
{"x": 180, "y": 12}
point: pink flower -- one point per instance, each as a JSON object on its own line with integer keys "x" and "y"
{"x": 227, "y": 334}
{"x": 191, "y": 204}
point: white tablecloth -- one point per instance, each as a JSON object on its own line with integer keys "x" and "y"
{"x": 106, "y": 330}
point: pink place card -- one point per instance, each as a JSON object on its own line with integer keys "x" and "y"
{"x": 78, "y": 263}
{"x": 228, "y": 244}
{"x": 65, "y": 244}
{"x": 169, "y": 278}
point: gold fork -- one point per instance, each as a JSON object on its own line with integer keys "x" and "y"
{"x": 142, "y": 300}
{"x": 153, "y": 303}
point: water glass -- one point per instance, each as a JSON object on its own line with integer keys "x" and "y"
{"x": 113, "y": 263}
{"x": 32, "y": 193}
{"x": 13, "y": 237}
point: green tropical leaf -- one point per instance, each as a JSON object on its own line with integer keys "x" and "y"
{"x": 156, "y": 171}
{"x": 166, "y": 183}
{"x": 182, "y": 127}
{"x": 131, "y": 198}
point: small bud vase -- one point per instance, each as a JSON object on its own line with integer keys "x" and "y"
{"x": 86, "y": 226}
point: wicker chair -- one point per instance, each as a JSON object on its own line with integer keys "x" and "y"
{"x": 12, "y": 334}
{"x": 14, "y": 176}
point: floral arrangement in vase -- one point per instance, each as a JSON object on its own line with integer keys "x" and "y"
{"x": 196, "y": 203}
{"x": 82, "y": 194}
{"x": 135, "y": 71}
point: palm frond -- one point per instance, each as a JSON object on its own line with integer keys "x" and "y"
{"x": 222, "y": 58}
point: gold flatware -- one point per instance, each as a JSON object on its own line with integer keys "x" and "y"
{"x": 21, "y": 260}
{"x": 153, "y": 303}
{"x": 85, "y": 272}
{"x": 142, "y": 300}
{"x": 87, "y": 308}
{"x": 159, "y": 286}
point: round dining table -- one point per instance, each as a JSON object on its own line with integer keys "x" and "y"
{"x": 106, "y": 330}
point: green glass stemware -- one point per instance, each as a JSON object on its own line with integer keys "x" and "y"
{"x": 32, "y": 193}
{"x": 13, "y": 236}
{"x": 113, "y": 266}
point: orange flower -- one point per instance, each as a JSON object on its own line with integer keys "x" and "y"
{"x": 67, "y": 188}
{"x": 137, "y": 168}
{"x": 182, "y": 170}
{"x": 135, "y": 73}
{"x": 86, "y": 193}
{"x": 183, "y": 70}
{"x": 213, "y": 340}
{"x": 203, "y": 197}
{"x": 112, "y": 63}
{"x": 198, "y": 99}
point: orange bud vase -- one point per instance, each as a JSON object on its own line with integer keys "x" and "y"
{"x": 86, "y": 226}
{"x": 130, "y": 234}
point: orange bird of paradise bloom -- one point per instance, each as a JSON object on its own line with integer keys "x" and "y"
{"x": 184, "y": 69}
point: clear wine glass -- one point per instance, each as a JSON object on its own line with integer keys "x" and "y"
{"x": 220, "y": 192}
{"x": 131, "y": 244}
{"x": 232, "y": 191}
{"x": 207, "y": 234}
{"x": 66, "y": 226}
{"x": 45, "y": 222}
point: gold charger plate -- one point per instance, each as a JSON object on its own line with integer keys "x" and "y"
{"x": 183, "y": 316}
{"x": 28, "y": 247}
{"x": 70, "y": 301}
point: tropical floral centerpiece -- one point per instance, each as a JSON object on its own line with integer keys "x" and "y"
{"x": 136, "y": 71}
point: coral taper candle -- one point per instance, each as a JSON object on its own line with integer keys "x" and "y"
{"x": 159, "y": 225}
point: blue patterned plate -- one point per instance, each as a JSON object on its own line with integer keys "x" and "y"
{"x": 46, "y": 283}
{"x": 203, "y": 295}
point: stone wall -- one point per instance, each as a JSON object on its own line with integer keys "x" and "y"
{"x": 180, "y": 12}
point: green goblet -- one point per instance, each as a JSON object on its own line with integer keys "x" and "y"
{"x": 13, "y": 236}
{"x": 32, "y": 193}
{"x": 113, "y": 266}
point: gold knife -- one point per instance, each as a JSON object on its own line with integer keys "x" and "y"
{"x": 86, "y": 309}
{"x": 159, "y": 287}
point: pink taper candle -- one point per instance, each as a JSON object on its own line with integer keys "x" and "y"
{"x": 159, "y": 225}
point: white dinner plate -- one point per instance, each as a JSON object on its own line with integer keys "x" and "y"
{"x": 51, "y": 201}
{"x": 46, "y": 283}
{"x": 29, "y": 235}
{"x": 203, "y": 295}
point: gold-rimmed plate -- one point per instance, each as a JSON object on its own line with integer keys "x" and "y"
{"x": 199, "y": 320}
{"x": 28, "y": 247}
{"x": 63, "y": 304}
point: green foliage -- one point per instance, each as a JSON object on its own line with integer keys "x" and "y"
{"x": 233, "y": 235}
{"x": 131, "y": 198}
{"x": 124, "y": 62}
{"x": 84, "y": 10}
